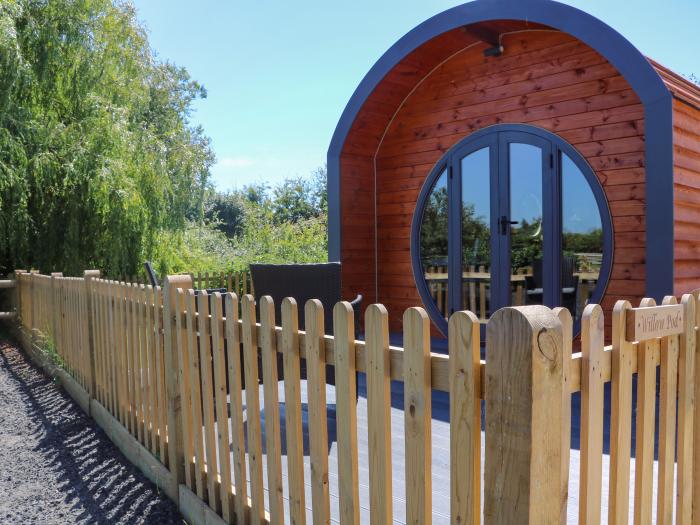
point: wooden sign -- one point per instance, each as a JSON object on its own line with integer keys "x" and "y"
{"x": 654, "y": 321}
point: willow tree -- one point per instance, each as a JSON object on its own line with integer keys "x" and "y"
{"x": 98, "y": 157}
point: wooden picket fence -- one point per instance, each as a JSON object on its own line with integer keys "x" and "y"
{"x": 240, "y": 282}
{"x": 176, "y": 369}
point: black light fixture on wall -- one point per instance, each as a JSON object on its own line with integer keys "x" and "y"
{"x": 489, "y": 35}
{"x": 495, "y": 51}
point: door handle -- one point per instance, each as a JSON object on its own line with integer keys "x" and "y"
{"x": 505, "y": 222}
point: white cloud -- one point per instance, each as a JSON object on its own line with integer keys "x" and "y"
{"x": 230, "y": 172}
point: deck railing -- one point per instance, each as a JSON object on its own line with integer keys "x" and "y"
{"x": 193, "y": 380}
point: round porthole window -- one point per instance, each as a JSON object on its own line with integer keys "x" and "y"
{"x": 512, "y": 215}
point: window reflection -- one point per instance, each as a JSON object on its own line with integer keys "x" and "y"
{"x": 476, "y": 233}
{"x": 582, "y": 239}
{"x": 433, "y": 243}
{"x": 527, "y": 229}
{"x": 519, "y": 220}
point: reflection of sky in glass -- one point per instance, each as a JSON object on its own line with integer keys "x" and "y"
{"x": 525, "y": 183}
{"x": 476, "y": 184}
{"x": 579, "y": 209}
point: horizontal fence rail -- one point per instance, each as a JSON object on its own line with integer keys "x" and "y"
{"x": 234, "y": 402}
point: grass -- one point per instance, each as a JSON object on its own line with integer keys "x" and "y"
{"x": 48, "y": 347}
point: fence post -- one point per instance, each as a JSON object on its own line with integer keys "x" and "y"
{"x": 686, "y": 389}
{"x": 176, "y": 460}
{"x": 32, "y": 307}
{"x": 18, "y": 295}
{"x": 55, "y": 309}
{"x": 89, "y": 276}
{"x": 524, "y": 382}
{"x": 464, "y": 337}
{"x": 567, "y": 326}
{"x": 696, "y": 414}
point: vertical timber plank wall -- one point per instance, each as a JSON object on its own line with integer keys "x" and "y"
{"x": 358, "y": 227}
{"x": 357, "y": 180}
{"x": 544, "y": 78}
{"x": 686, "y": 139}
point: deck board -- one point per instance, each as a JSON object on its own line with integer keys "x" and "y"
{"x": 440, "y": 456}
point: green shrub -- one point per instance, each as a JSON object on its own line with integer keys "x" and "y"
{"x": 266, "y": 241}
{"x": 198, "y": 248}
{"x": 48, "y": 347}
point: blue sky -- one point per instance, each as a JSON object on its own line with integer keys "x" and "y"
{"x": 279, "y": 73}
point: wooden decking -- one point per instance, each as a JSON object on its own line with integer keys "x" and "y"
{"x": 440, "y": 456}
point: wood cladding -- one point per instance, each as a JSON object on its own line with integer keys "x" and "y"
{"x": 544, "y": 78}
{"x": 357, "y": 227}
{"x": 686, "y": 189}
{"x": 681, "y": 88}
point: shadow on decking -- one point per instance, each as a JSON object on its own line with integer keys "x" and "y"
{"x": 441, "y": 412}
{"x": 330, "y": 418}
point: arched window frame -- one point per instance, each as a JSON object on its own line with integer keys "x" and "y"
{"x": 559, "y": 146}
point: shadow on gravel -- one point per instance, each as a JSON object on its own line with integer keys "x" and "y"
{"x": 99, "y": 485}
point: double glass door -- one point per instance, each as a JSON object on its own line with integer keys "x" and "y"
{"x": 501, "y": 205}
{"x": 497, "y": 199}
{"x": 508, "y": 219}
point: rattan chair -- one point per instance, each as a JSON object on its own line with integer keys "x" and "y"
{"x": 320, "y": 281}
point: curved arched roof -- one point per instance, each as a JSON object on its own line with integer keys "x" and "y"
{"x": 631, "y": 64}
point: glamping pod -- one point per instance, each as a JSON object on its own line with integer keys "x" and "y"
{"x": 510, "y": 152}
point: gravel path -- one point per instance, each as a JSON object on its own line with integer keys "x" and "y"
{"x": 56, "y": 464}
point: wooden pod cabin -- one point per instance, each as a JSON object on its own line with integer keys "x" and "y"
{"x": 515, "y": 152}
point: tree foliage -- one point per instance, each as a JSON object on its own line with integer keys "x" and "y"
{"x": 98, "y": 159}
{"x": 476, "y": 232}
{"x": 286, "y": 223}
{"x": 257, "y": 223}
{"x": 226, "y": 211}
{"x": 267, "y": 241}
{"x": 300, "y": 198}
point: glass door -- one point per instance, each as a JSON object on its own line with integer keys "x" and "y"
{"x": 475, "y": 189}
{"x": 526, "y": 206}
{"x": 511, "y": 216}
{"x": 498, "y": 204}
